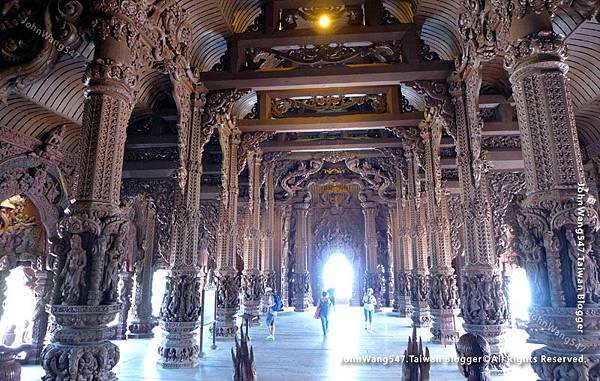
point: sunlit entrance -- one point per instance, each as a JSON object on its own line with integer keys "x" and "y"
{"x": 520, "y": 295}
{"x": 338, "y": 274}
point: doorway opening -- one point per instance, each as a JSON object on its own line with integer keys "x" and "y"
{"x": 520, "y": 296}
{"x": 339, "y": 275}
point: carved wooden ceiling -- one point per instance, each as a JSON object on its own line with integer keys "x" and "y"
{"x": 58, "y": 97}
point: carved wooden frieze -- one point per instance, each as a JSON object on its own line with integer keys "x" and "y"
{"x": 161, "y": 192}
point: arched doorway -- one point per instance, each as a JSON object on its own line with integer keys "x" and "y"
{"x": 338, "y": 275}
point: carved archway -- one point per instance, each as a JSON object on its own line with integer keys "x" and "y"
{"x": 39, "y": 180}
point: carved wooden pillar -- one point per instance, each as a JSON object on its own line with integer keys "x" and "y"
{"x": 416, "y": 221}
{"x": 558, "y": 220}
{"x": 301, "y": 298}
{"x": 125, "y": 290}
{"x": 396, "y": 252}
{"x": 252, "y": 287}
{"x": 483, "y": 303}
{"x": 405, "y": 255}
{"x": 284, "y": 213}
{"x": 227, "y": 277}
{"x": 269, "y": 275}
{"x": 181, "y": 304}
{"x": 93, "y": 230}
{"x": 443, "y": 296}
{"x": 372, "y": 278}
{"x": 42, "y": 290}
{"x": 141, "y": 319}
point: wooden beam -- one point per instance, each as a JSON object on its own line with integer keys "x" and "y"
{"x": 331, "y": 123}
{"x": 334, "y": 76}
{"x": 501, "y": 160}
{"x": 285, "y": 38}
{"x": 291, "y": 93}
{"x": 330, "y": 145}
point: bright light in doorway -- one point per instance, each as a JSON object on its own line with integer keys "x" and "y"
{"x": 338, "y": 274}
{"x": 520, "y": 294}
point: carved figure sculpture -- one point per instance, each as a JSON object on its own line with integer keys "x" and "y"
{"x": 473, "y": 354}
{"x": 111, "y": 273}
{"x": 73, "y": 272}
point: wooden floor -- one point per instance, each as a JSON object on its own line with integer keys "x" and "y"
{"x": 300, "y": 352}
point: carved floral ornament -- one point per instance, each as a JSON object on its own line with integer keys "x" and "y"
{"x": 293, "y": 177}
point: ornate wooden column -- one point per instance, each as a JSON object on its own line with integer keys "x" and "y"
{"x": 483, "y": 303}
{"x": 227, "y": 277}
{"x": 42, "y": 290}
{"x": 403, "y": 271}
{"x": 284, "y": 214}
{"x": 443, "y": 296}
{"x": 141, "y": 319}
{"x": 416, "y": 221}
{"x": 252, "y": 287}
{"x": 301, "y": 297}
{"x": 144, "y": 213}
{"x": 93, "y": 230}
{"x": 181, "y": 304}
{"x": 372, "y": 278}
{"x": 125, "y": 290}
{"x": 396, "y": 252}
{"x": 558, "y": 219}
{"x": 268, "y": 273}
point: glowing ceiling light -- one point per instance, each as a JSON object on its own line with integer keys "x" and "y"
{"x": 324, "y": 21}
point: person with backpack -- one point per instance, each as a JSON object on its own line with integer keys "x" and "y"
{"x": 274, "y": 305}
{"x": 323, "y": 312}
{"x": 369, "y": 302}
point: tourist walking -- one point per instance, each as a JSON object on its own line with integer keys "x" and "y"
{"x": 274, "y": 305}
{"x": 369, "y": 302}
{"x": 323, "y": 312}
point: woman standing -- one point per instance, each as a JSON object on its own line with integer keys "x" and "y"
{"x": 369, "y": 302}
{"x": 323, "y": 312}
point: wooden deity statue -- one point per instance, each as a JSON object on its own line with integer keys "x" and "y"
{"x": 415, "y": 365}
{"x": 73, "y": 272}
{"x": 243, "y": 358}
{"x": 474, "y": 357}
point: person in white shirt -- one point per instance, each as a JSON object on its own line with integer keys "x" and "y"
{"x": 369, "y": 302}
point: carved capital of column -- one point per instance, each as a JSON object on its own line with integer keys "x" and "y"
{"x": 540, "y": 50}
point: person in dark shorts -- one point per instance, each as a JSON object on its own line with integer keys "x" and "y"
{"x": 323, "y": 312}
{"x": 271, "y": 313}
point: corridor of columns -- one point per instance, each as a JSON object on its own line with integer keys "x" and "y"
{"x": 443, "y": 154}
{"x": 301, "y": 352}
